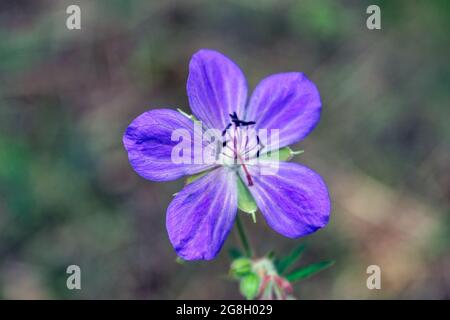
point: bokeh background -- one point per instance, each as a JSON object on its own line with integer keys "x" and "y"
{"x": 69, "y": 196}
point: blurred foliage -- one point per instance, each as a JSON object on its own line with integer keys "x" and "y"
{"x": 68, "y": 195}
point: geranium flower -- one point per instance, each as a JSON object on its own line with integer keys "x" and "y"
{"x": 294, "y": 201}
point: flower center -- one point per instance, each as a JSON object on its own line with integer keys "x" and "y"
{"x": 240, "y": 145}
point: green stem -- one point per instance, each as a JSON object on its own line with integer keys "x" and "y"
{"x": 243, "y": 237}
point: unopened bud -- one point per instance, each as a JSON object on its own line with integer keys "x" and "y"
{"x": 241, "y": 267}
{"x": 249, "y": 286}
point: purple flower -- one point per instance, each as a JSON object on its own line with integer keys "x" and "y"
{"x": 294, "y": 201}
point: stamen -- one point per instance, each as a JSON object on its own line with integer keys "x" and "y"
{"x": 225, "y": 130}
{"x": 247, "y": 174}
{"x": 239, "y": 147}
{"x": 246, "y": 139}
{"x": 235, "y": 144}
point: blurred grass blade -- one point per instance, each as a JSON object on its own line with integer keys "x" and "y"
{"x": 287, "y": 261}
{"x": 308, "y": 271}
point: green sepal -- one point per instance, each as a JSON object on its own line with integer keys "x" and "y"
{"x": 187, "y": 115}
{"x": 195, "y": 177}
{"x": 308, "y": 271}
{"x": 246, "y": 202}
{"x": 283, "y": 154}
{"x": 249, "y": 286}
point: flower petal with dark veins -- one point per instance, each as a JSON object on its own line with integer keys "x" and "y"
{"x": 148, "y": 141}
{"x": 294, "y": 201}
{"x": 201, "y": 215}
{"x": 216, "y": 87}
{"x": 289, "y": 102}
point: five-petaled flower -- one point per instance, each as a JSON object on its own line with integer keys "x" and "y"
{"x": 294, "y": 201}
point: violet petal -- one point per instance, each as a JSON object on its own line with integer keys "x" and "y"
{"x": 216, "y": 87}
{"x": 294, "y": 201}
{"x": 289, "y": 102}
{"x": 201, "y": 215}
{"x": 149, "y": 145}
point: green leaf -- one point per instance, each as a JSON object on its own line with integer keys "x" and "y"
{"x": 283, "y": 154}
{"x": 284, "y": 263}
{"x": 245, "y": 199}
{"x": 249, "y": 286}
{"x": 308, "y": 271}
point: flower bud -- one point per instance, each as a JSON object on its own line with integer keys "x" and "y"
{"x": 249, "y": 286}
{"x": 241, "y": 267}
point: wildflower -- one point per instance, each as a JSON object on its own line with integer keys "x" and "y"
{"x": 294, "y": 201}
